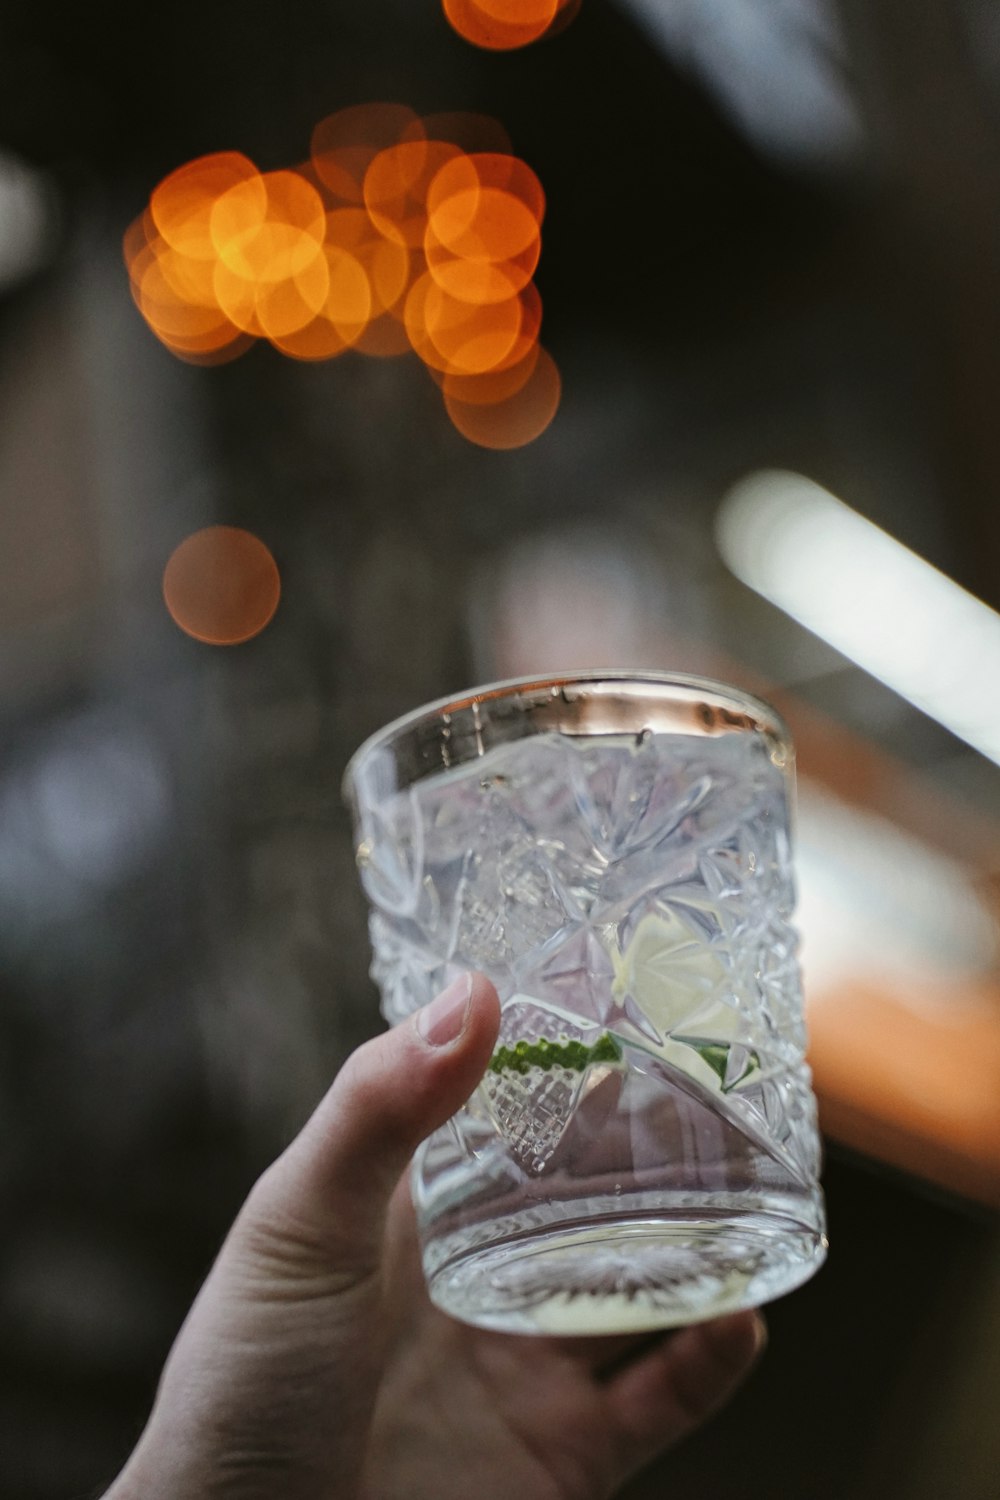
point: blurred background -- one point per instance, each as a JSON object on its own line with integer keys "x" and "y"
{"x": 770, "y": 283}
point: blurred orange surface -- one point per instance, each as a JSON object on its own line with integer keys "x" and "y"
{"x": 915, "y": 1084}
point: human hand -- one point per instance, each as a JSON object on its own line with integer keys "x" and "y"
{"x": 314, "y": 1367}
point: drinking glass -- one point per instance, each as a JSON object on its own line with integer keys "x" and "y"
{"x": 612, "y": 850}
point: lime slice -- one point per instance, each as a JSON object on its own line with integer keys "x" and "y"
{"x": 669, "y": 971}
{"x": 546, "y": 1055}
{"x": 681, "y": 985}
{"x": 574, "y": 1056}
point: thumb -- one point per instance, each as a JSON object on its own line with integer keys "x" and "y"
{"x": 330, "y": 1190}
{"x": 270, "y": 1386}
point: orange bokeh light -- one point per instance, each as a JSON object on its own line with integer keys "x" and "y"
{"x": 462, "y": 338}
{"x": 400, "y": 234}
{"x": 520, "y": 12}
{"x": 181, "y": 206}
{"x": 502, "y": 25}
{"x": 171, "y": 303}
{"x": 466, "y": 129}
{"x": 483, "y": 236}
{"x": 470, "y": 196}
{"x": 385, "y": 262}
{"x": 396, "y": 185}
{"x": 515, "y": 419}
{"x": 493, "y": 387}
{"x": 480, "y": 280}
{"x": 270, "y": 228}
{"x": 175, "y": 296}
{"x": 344, "y": 145}
{"x": 198, "y": 352}
{"x": 342, "y": 317}
{"x": 221, "y": 585}
{"x": 567, "y": 12}
{"x": 483, "y": 224}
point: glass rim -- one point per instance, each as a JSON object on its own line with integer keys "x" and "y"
{"x": 453, "y": 731}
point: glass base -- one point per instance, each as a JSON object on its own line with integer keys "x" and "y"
{"x": 627, "y": 1274}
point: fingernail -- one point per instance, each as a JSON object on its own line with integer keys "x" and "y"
{"x": 443, "y": 1020}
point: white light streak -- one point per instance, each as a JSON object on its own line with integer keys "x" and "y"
{"x": 778, "y": 67}
{"x": 877, "y": 602}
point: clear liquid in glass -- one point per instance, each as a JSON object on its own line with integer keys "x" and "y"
{"x": 643, "y": 1150}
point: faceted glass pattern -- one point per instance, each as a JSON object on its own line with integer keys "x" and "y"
{"x": 631, "y": 897}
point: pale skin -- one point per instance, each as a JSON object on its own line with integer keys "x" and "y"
{"x": 313, "y": 1366}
